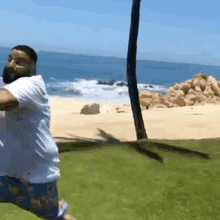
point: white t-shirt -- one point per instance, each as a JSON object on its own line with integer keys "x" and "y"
{"x": 27, "y": 148}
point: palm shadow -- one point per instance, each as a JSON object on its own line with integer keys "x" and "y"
{"x": 143, "y": 146}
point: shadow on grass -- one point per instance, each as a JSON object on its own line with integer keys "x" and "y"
{"x": 143, "y": 146}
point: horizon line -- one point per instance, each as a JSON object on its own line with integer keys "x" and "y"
{"x": 114, "y": 56}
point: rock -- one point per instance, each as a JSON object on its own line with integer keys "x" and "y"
{"x": 191, "y": 97}
{"x": 146, "y": 94}
{"x": 194, "y": 95}
{"x": 185, "y": 87}
{"x": 122, "y": 84}
{"x": 201, "y": 76}
{"x": 180, "y": 101}
{"x": 179, "y": 93}
{"x": 173, "y": 105}
{"x": 153, "y": 105}
{"x": 175, "y": 97}
{"x": 201, "y": 97}
{"x": 199, "y": 83}
{"x": 160, "y": 99}
{"x": 160, "y": 106}
{"x": 214, "y": 85}
{"x": 143, "y": 108}
{"x": 148, "y": 86}
{"x": 189, "y": 102}
{"x": 156, "y": 97}
{"x": 100, "y": 82}
{"x": 213, "y": 100}
{"x": 110, "y": 83}
{"x": 92, "y": 108}
{"x": 208, "y": 91}
{"x": 170, "y": 90}
{"x": 202, "y": 83}
{"x": 145, "y": 102}
{"x": 192, "y": 92}
{"x": 198, "y": 89}
{"x": 171, "y": 100}
{"x": 170, "y": 96}
{"x": 164, "y": 101}
{"x": 191, "y": 83}
{"x": 202, "y": 89}
{"x": 176, "y": 86}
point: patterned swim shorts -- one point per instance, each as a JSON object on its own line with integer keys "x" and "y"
{"x": 40, "y": 198}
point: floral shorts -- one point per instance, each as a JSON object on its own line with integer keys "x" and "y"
{"x": 40, "y": 198}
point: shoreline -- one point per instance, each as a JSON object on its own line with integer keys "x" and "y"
{"x": 91, "y": 101}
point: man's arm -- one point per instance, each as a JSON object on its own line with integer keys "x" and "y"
{"x": 7, "y": 100}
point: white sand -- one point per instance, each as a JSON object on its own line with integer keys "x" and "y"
{"x": 191, "y": 122}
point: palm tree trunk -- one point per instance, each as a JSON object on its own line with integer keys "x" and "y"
{"x": 131, "y": 71}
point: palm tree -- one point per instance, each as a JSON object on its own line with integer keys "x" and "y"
{"x": 131, "y": 71}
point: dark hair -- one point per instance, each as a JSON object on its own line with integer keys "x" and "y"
{"x": 31, "y": 53}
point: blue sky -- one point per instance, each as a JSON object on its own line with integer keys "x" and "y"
{"x": 170, "y": 30}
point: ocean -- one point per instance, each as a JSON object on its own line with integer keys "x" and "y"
{"x": 103, "y": 79}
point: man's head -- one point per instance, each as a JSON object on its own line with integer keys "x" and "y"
{"x": 21, "y": 62}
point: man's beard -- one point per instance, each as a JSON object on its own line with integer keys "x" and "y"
{"x": 9, "y": 76}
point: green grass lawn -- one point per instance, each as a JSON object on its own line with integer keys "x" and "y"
{"x": 119, "y": 183}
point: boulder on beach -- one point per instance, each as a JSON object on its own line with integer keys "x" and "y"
{"x": 200, "y": 90}
{"x": 91, "y": 108}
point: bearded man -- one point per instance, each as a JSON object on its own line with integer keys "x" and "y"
{"x": 29, "y": 158}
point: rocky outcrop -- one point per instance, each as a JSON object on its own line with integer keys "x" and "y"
{"x": 111, "y": 83}
{"x": 202, "y": 89}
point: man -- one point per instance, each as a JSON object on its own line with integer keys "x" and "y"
{"x": 29, "y": 158}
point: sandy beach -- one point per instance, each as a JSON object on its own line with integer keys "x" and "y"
{"x": 190, "y": 122}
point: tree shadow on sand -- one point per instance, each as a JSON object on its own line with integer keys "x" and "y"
{"x": 144, "y": 146}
